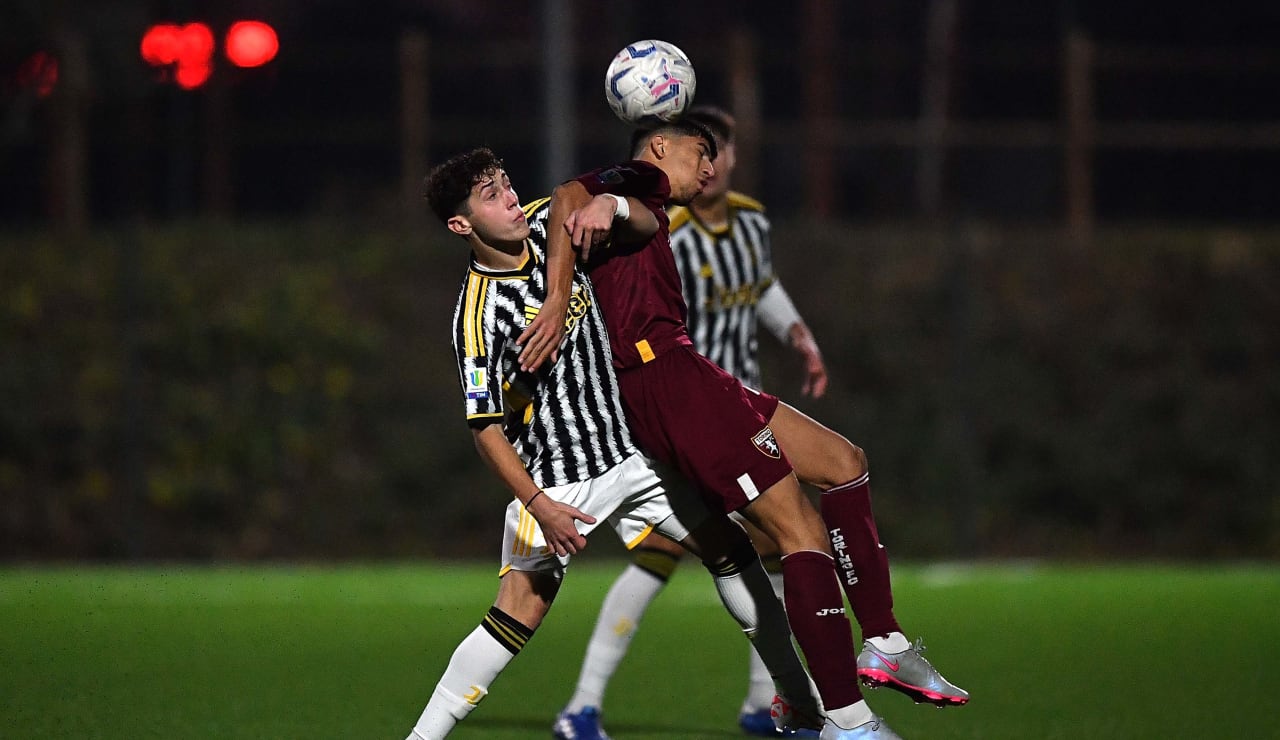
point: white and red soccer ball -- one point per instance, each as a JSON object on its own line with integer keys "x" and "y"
{"x": 649, "y": 82}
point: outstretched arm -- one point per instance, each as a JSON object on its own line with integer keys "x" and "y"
{"x": 815, "y": 370}
{"x": 577, "y": 223}
{"x": 780, "y": 316}
{"x": 555, "y": 519}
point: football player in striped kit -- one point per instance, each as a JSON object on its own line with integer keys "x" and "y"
{"x": 721, "y": 246}
{"x": 558, "y": 439}
{"x": 722, "y": 249}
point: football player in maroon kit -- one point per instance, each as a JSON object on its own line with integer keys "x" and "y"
{"x": 745, "y": 451}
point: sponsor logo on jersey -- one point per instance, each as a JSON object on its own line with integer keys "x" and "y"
{"x": 477, "y": 382}
{"x": 765, "y": 442}
{"x": 614, "y": 175}
{"x": 723, "y": 299}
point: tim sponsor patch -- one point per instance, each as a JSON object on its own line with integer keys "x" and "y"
{"x": 765, "y": 442}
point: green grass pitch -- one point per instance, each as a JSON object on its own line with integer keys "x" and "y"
{"x": 276, "y": 652}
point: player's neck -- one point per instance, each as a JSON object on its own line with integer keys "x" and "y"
{"x": 500, "y": 257}
{"x": 713, "y": 213}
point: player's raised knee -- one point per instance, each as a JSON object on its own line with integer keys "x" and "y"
{"x": 844, "y": 460}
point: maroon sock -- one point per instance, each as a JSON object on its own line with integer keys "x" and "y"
{"x": 861, "y": 561}
{"x": 816, "y": 613}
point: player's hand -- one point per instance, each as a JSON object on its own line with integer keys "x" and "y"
{"x": 815, "y": 370}
{"x": 541, "y": 339}
{"x": 591, "y": 225}
{"x": 557, "y": 521}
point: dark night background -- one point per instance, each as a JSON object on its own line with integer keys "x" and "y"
{"x": 223, "y": 311}
{"x": 318, "y": 127}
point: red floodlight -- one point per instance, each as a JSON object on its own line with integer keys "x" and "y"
{"x": 190, "y": 47}
{"x": 251, "y": 43}
{"x": 160, "y": 45}
{"x": 39, "y": 73}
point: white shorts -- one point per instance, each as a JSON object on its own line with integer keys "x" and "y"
{"x": 630, "y": 497}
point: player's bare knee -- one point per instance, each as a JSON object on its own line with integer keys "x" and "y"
{"x": 845, "y": 462}
{"x": 858, "y": 463}
{"x": 526, "y": 596}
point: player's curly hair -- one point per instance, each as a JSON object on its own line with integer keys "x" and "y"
{"x": 683, "y": 126}
{"x": 449, "y": 184}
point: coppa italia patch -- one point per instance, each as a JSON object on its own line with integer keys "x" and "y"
{"x": 477, "y": 381}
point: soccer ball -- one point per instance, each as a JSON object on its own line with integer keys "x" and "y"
{"x": 649, "y": 82}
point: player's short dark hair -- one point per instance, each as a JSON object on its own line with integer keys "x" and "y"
{"x": 449, "y": 184}
{"x": 720, "y": 121}
{"x": 683, "y": 126}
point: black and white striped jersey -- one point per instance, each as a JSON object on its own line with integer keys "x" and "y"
{"x": 566, "y": 421}
{"x": 723, "y": 273}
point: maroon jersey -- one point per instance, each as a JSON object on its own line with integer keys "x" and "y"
{"x": 638, "y": 286}
{"x": 683, "y": 409}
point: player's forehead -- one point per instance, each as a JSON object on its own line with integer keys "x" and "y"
{"x": 494, "y": 177}
{"x": 689, "y": 141}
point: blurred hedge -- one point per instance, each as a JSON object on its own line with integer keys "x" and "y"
{"x": 288, "y": 391}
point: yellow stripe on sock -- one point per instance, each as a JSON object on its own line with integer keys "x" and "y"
{"x": 513, "y": 638}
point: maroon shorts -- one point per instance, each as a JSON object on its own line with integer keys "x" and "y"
{"x": 685, "y": 411}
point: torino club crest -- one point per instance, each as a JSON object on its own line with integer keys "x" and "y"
{"x": 765, "y": 442}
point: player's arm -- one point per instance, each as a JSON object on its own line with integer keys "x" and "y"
{"x": 607, "y": 216}
{"x": 780, "y": 317}
{"x": 541, "y": 339}
{"x": 555, "y": 519}
{"x": 576, "y": 222}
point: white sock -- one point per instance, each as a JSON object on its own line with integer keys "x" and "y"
{"x": 620, "y": 615}
{"x": 476, "y": 662}
{"x": 760, "y": 687}
{"x": 749, "y": 597}
{"x": 894, "y": 642}
{"x": 847, "y": 718}
{"x": 444, "y": 710}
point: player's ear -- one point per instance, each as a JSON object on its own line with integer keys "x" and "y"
{"x": 658, "y": 145}
{"x": 459, "y": 225}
